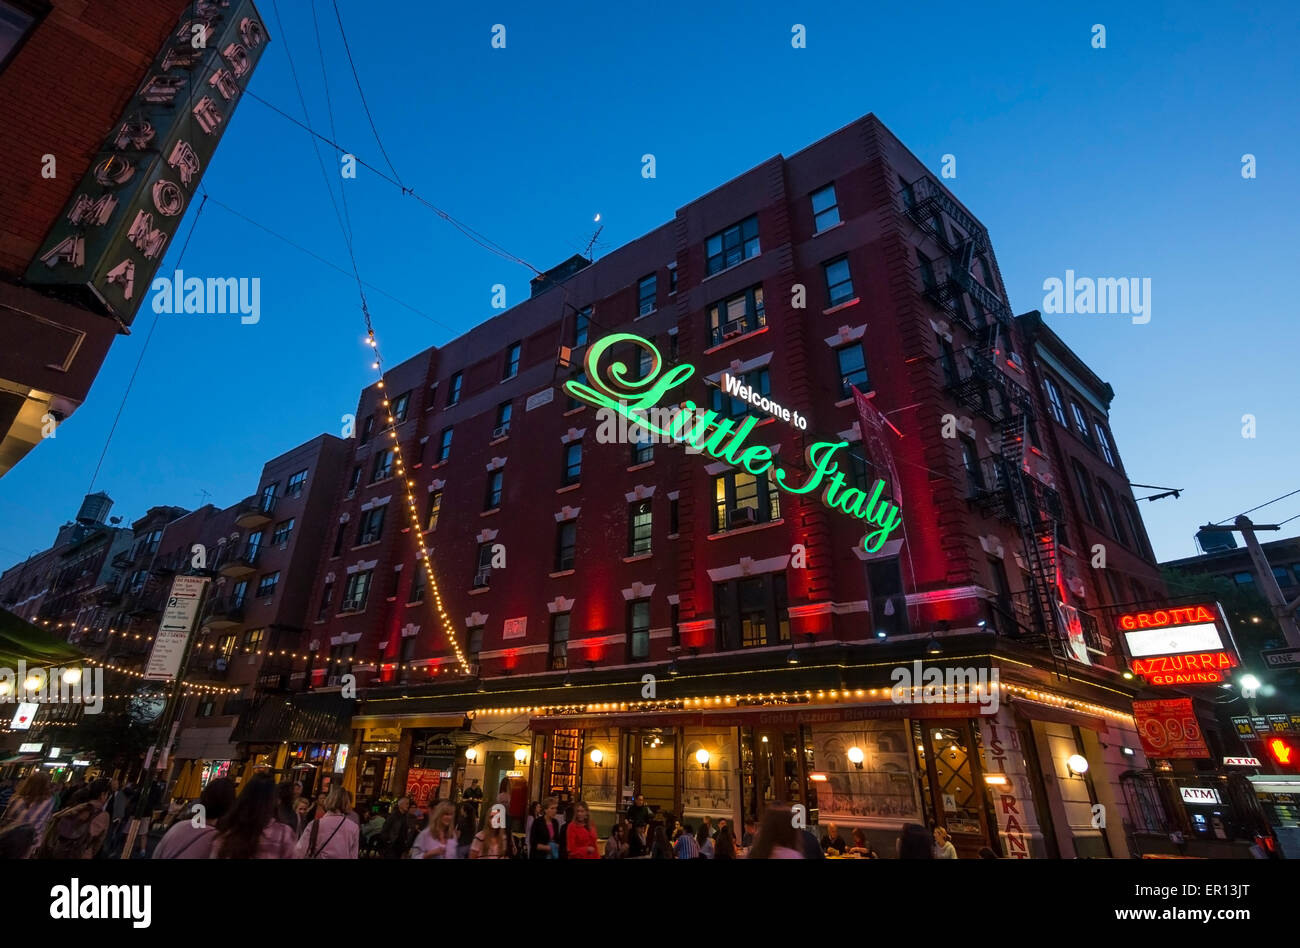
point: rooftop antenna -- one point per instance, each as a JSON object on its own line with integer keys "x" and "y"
{"x": 203, "y": 496}
{"x": 592, "y": 243}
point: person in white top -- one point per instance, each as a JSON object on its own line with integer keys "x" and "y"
{"x": 438, "y": 839}
{"x": 334, "y": 835}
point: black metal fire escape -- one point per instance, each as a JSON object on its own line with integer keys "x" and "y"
{"x": 1004, "y": 488}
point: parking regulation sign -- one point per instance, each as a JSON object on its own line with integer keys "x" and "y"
{"x": 174, "y": 631}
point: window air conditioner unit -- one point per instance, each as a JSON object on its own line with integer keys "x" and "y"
{"x": 1014, "y": 359}
{"x": 351, "y": 605}
{"x": 482, "y": 577}
{"x": 500, "y": 431}
{"x": 733, "y": 329}
{"x": 741, "y": 517}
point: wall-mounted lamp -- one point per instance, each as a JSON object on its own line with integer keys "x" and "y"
{"x": 702, "y": 758}
{"x": 995, "y": 780}
{"x": 471, "y": 754}
{"x": 856, "y": 756}
{"x": 597, "y": 757}
{"x": 521, "y": 754}
{"x": 1078, "y": 764}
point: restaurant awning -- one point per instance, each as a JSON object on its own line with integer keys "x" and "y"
{"x": 21, "y": 759}
{"x": 20, "y": 640}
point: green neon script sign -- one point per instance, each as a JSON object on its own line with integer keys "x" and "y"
{"x": 722, "y": 438}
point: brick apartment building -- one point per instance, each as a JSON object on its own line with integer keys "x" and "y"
{"x": 572, "y": 565}
{"x": 81, "y": 230}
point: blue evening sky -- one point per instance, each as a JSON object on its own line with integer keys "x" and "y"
{"x": 1123, "y": 161}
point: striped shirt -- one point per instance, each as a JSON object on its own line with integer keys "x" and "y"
{"x": 686, "y": 847}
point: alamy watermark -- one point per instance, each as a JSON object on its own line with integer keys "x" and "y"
{"x": 213, "y": 296}
{"x": 1122, "y": 296}
{"x": 935, "y": 685}
{"x": 71, "y": 685}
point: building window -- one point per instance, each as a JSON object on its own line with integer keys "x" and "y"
{"x": 970, "y": 460}
{"x": 825, "y": 207}
{"x": 1054, "y": 402}
{"x": 1243, "y": 579}
{"x": 672, "y": 279}
{"x": 372, "y": 525}
{"x": 453, "y": 389}
{"x": 646, "y": 289}
{"x": 643, "y": 450}
{"x": 15, "y": 25}
{"x": 986, "y": 274}
{"x": 853, "y": 370}
{"x": 580, "y": 378}
{"x": 266, "y": 585}
{"x": 572, "y": 463}
{"x": 672, "y": 517}
{"x": 253, "y": 639}
{"x": 1135, "y": 527}
{"x": 639, "y": 523}
{"x": 727, "y": 406}
{"x": 729, "y": 247}
{"x": 502, "y": 427}
{"x": 355, "y": 481}
{"x": 511, "y": 368}
{"x": 839, "y": 282}
{"x": 237, "y": 594}
{"x": 282, "y": 532}
{"x": 908, "y": 195}
{"x": 367, "y": 428}
{"x": 492, "y": 498}
{"x": 340, "y": 658}
{"x": 581, "y": 326}
{"x": 888, "y": 602}
{"x": 419, "y": 579}
{"x": 444, "y": 445}
{"x": 1081, "y": 423}
{"x": 638, "y": 629}
{"x": 737, "y": 315}
{"x": 566, "y": 545}
{"x": 741, "y": 500}
{"x": 399, "y": 407}
{"x": 483, "y": 566}
{"x": 928, "y": 280}
{"x": 1084, "y": 485}
{"x": 947, "y": 362}
{"x": 1111, "y": 506}
{"x": 383, "y": 466}
{"x": 435, "y": 508}
{"x": 356, "y": 592}
{"x": 559, "y": 652}
{"x": 1107, "y": 446}
{"x": 338, "y": 539}
{"x": 752, "y": 613}
{"x": 207, "y": 704}
{"x": 226, "y": 647}
{"x": 296, "y": 484}
{"x": 326, "y": 596}
{"x": 474, "y": 642}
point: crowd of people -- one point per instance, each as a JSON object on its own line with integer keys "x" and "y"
{"x": 269, "y": 820}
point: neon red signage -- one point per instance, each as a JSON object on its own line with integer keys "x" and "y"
{"x": 1163, "y": 617}
{"x": 1193, "y": 668}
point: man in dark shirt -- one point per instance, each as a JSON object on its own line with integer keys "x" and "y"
{"x": 833, "y": 840}
{"x": 473, "y": 794}
{"x": 639, "y": 813}
{"x": 399, "y": 831}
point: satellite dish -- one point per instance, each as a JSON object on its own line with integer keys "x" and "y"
{"x": 114, "y": 520}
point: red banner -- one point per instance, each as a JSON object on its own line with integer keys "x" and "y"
{"x": 875, "y": 444}
{"x": 422, "y": 785}
{"x": 1168, "y": 729}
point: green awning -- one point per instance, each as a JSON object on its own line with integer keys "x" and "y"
{"x": 20, "y": 640}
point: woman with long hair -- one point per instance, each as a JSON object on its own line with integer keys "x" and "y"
{"x": 777, "y": 838}
{"x": 724, "y": 847}
{"x": 184, "y": 840}
{"x": 334, "y": 835}
{"x": 466, "y": 823}
{"x": 29, "y": 810}
{"x": 660, "y": 848}
{"x": 438, "y": 839}
{"x": 580, "y": 841}
{"x": 616, "y": 845}
{"x": 250, "y": 830}
{"x": 491, "y": 842}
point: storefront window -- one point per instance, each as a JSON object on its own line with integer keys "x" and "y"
{"x": 882, "y": 788}
{"x": 709, "y": 773}
{"x": 953, "y": 791}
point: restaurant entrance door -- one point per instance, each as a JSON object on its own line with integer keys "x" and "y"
{"x": 774, "y": 768}
{"x": 951, "y": 781}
